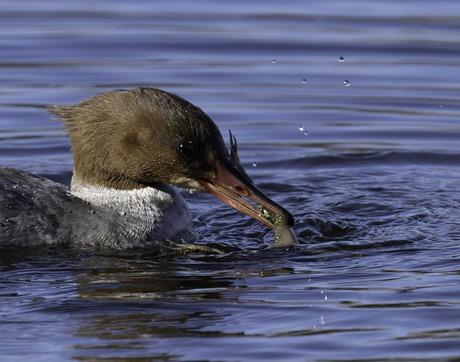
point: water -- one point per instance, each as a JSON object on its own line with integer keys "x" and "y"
{"x": 374, "y": 186}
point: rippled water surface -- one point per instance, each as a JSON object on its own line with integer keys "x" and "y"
{"x": 363, "y": 149}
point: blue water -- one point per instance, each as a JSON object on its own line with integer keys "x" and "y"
{"x": 373, "y": 183}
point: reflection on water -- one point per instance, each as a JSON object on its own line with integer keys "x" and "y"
{"x": 193, "y": 307}
{"x": 345, "y": 112}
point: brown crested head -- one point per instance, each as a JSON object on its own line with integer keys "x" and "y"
{"x": 127, "y": 139}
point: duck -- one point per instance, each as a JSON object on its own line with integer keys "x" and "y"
{"x": 132, "y": 151}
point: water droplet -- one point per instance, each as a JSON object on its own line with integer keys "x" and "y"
{"x": 304, "y": 80}
{"x": 341, "y": 59}
{"x": 274, "y": 61}
{"x": 254, "y": 164}
{"x": 302, "y": 129}
{"x": 346, "y": 83}
{"x": 122, "y": 213}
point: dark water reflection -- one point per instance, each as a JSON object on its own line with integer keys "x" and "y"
{"x": 373, "y": 186}
{"x": 248, "y": 305}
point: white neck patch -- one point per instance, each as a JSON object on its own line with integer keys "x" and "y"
{"x": 151, "y": 214}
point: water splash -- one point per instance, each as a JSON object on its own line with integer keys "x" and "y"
{"x": 302, "y": 129}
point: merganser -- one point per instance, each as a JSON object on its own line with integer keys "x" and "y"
{"x": 131, "y": 148}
